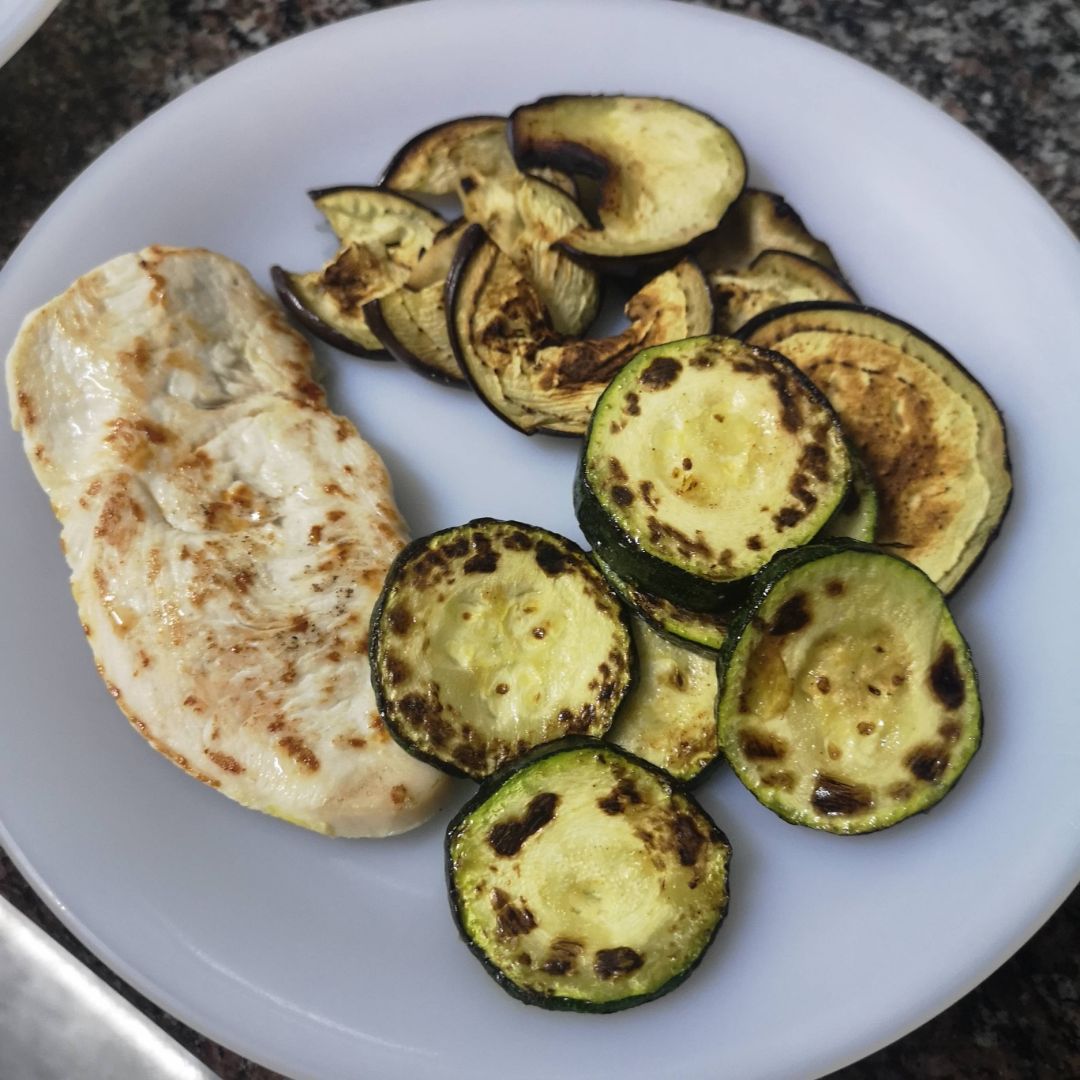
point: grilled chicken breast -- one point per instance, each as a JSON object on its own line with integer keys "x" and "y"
{"x": 227, "y": 536}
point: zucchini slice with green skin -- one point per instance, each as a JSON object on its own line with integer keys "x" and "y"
{"x": 848, "y": 698}
{"x": 667, "y": 172}
{"x": 704, "y": 457}
{"x": 491, "y": 638}
{"x": 669, "y": 717}
{"x": 931, "y": 437}
{"x": 699, "y": 630}
{"x": 533, "y": 377}
{"x": 584, "y": 880}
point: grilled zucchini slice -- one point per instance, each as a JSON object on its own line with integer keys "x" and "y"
{"x": 584, "y": 880}
{"x": 848, "y": 698}
{"x": 930, "y": 435}
{"x": 533, "y": 377}
{"x": 669, "y": 717}
{"x": 705, "y": 457}
{"x": 491, "y": 638}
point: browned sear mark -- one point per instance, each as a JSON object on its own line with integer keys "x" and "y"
{"x": 839, "y": 798}
{"x": 661, "y": 373}
{"x": 622, "y": 795}
{"x": 300, "y": 752}
{"x": 761, "y": 745}
{"x": 945, "y": 678}
{"x": 792, "y": 616}
{"x": 507, "y": 837}
{"x": 611, "y": 963}
{"x": 928, "y": 761}
{"x": 511, "y": 920}
{"x": 225, "y": 762}
{"x": 562, "y": 957}
{"x": 689, "y": 840}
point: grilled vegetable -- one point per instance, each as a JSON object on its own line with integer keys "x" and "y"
{"x": 857, "y": 515}
{"x": 533, "y": 377}
{"x": 773, "y": 279}
{"x": 703, "y": 458}
{"x": 667, "y": 173}
{"x": 692, "y": 629}
{"x": 524, "y": 214}
{"x": 931, "y": 437}
{"x": 583, "y": 880}
{"x": 410, "y": 323}
{"x": 760, "y": 221}
{"x": 382, "y": 236}
{"x": 491, "y": 638}
{"x": 669, "y": 717}
{"x": 848, "y": 698}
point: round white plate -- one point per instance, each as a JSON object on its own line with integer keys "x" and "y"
{"x": 338, "y": 959}
{"x": 18, "y": 21}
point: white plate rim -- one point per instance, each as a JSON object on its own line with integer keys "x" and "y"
{"x": 1050, "y": 899}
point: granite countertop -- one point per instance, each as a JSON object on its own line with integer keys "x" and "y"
{"x": 1008, "y": 71}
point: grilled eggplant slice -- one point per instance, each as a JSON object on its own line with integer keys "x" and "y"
{"x": 383, "y": 236}
{"x": 848, "y": 697}
{"x": 524, "y": 214}
{"x": 669, "y": 717}
{"x": 705, "y": 457}
{"x": 774, "y": 279}
{"x": 667, "y": 172}
{"x": 491, "y": 638}
{"x": 760, "y": 221}
{"x": 699, "y": 630}
{"x": 533, "y": 377}
{"x": 930, "y": 435}
{"x": 585, "y": 881}
{"x": 410, "y": 323}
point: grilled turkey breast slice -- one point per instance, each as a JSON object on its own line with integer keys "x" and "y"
{"x": 227, "y": 536}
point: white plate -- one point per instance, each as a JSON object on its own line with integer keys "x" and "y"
{"x": 18, "y": 21}
{"x": 333, "y": 958}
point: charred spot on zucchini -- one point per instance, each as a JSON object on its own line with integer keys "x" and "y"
{"x": 703, "y": 458}
{"x": 532, "y": 376}
{"x": 848, "y": 700}
{"x": 772, "y": 280}
{"x": 491, "y": 638}
{"x": 669, "y": 716}
{"x": 584, "y": 880}
{"x": 931, "y": 437}
{"x": 760, "y": 221}
{"x": 382, "y": 237}
{"x": 698, "y": 630}
{"x": 667, "y": 173}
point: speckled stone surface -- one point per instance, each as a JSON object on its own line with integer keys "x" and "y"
{"x": 1008, "y": 71}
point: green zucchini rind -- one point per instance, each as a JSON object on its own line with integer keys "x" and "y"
{"x": 931, "y": 437}
{"x": 584, "y": 880}
{"x": 491, "y": 638}
{"x": 703, "y": 458}
{"x": 669, "y": 716}
{"x": 848, "y": 699}
{"x": 702, "y": 631}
